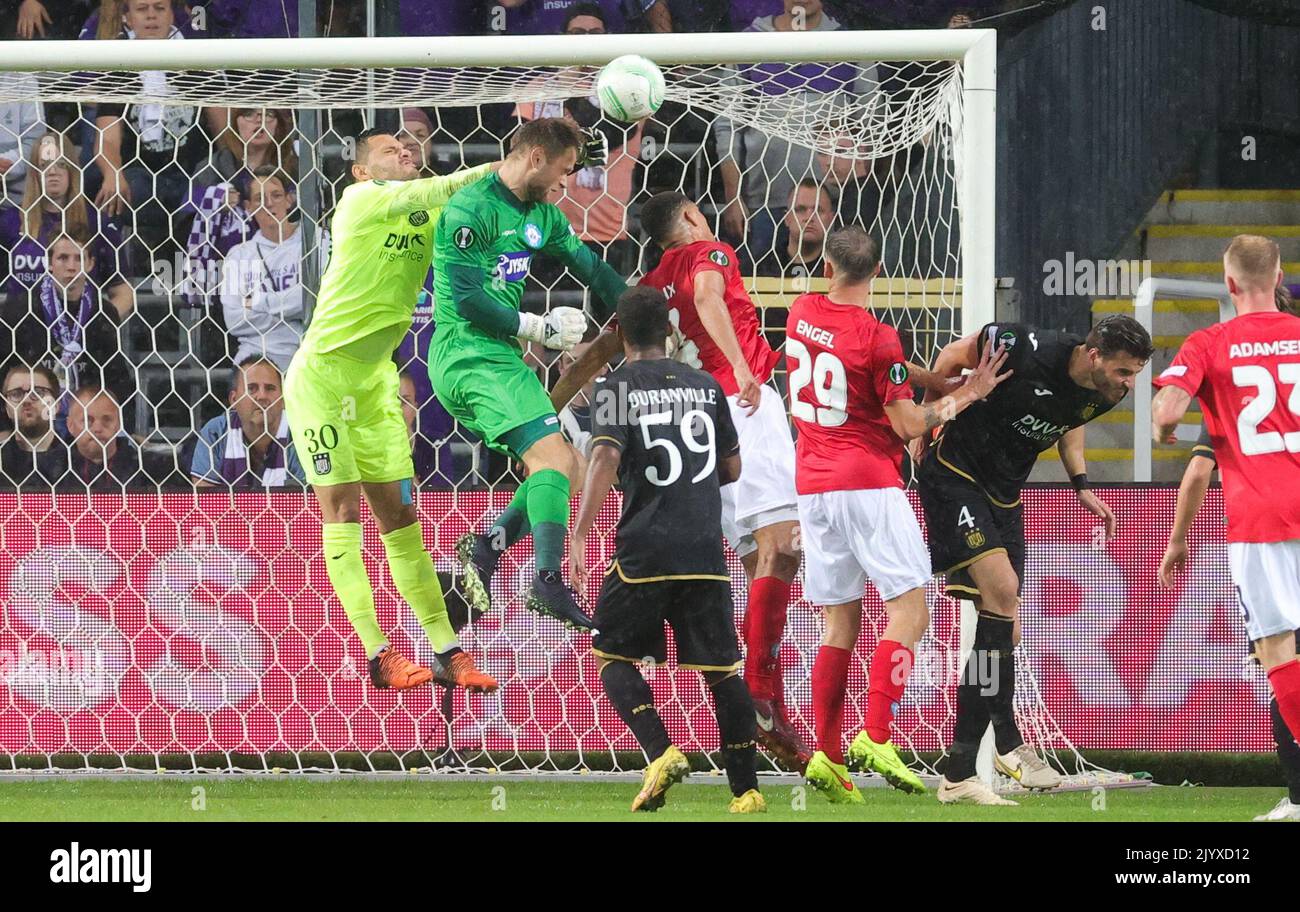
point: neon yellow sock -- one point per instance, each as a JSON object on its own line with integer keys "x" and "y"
{"x": 347, "y": 573}
{"x": 417, "y": 581}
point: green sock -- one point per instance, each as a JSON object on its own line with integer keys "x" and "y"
{"x": 548, "y": 511}
{"x": 512, "y": 524}
{"x": 347, "y": 573}
{"x": 417, "y": 581}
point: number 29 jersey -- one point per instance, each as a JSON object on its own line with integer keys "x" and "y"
{"x": 1246, "y": 372}
{"x": 844, "y": 366}
{"x": 672, "y": 424}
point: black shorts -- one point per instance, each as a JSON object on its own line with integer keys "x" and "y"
{"x": 964, "y": 525}
{"x": 631, "y": 617}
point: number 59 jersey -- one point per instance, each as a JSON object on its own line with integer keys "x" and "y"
{"x": 673, "y": 425}
{"x": 844, "y": 366}
{"x": 1246, "y": 372}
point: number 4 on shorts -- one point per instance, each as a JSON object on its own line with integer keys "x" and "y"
{"x": 965, "y": 519}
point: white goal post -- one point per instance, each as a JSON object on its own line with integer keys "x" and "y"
{"x": 920, "y": 138}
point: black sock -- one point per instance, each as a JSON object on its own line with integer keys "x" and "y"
{"x": 1000, "y": 688}
{"x": 978, "y": 678}
{"x": 444, "y": 658}
{"x": 734, "y": 709}
{"x": 1287, "y": 751}
{"x": 635, "y": 703}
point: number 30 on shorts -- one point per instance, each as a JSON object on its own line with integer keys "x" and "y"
{"x": 327, "y": 438}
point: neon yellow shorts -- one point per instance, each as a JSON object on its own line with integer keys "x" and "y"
{"x": 346, "y": 419}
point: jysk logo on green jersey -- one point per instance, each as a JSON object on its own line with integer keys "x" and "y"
{"x": 898, "y": 373}
{"x": 719, "y": 257}
{"x": 464, "y": 237}
{"x": 532, "y": 235}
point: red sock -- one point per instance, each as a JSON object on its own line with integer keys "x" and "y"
{"x": 1285, "y": 679}
{"x": 830, "y": 678}
{"x": 763, "y": 627}
{"x": 890, "y": 666}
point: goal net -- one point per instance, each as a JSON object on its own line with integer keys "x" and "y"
{"x": 164, "y": 599}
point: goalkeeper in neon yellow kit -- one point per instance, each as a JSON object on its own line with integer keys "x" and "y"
{"x": 341, "y": 397}
{"x": 485, "y": 241}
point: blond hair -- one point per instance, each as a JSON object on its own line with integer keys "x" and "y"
{"x": 1253, "y": 261}
{"x": 75, "y": 212}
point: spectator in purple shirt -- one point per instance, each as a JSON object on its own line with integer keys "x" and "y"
{"x": 62, "y": 324}
{"x": 53, "y": 204}
{"x": 148, "y": 153}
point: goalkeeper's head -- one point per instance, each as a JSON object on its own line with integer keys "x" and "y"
{"x": 672, "y": 219}
{"x": 543, "y": 152}
{"x": 381, "y": 156}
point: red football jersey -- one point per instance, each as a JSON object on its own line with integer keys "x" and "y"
{"x": 845, "y": 366}
{"x": 1246, "y": 372}
{"x": 675, "y": 277}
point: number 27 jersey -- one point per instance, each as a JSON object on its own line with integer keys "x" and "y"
{"x": 1246, "y": 372}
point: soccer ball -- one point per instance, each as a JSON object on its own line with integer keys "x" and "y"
{"x": 630, "y": 88}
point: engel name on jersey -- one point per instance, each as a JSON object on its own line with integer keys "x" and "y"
{"x": 1246, "y": 374}
{"x": 672, "y": 424}
{"x": 844, "y": 367}
{"x": 675, "y": 277}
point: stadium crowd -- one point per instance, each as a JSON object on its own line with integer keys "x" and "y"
{"x": 152, "y": 256}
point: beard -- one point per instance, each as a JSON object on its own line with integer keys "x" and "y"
{"x": 536, "y": 191}
{"x": 33, "y": 426}
{"x": 1113, "y": 392}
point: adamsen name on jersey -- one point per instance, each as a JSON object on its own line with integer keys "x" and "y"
{"x": 1264, "y": 349}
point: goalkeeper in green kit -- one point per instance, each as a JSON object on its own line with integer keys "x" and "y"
{"x": 484, "y": 244}
{"x": 341, "y": 398}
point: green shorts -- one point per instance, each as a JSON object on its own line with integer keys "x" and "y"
{"x": 491, "y": 391}
{"x": 346, "y": 419}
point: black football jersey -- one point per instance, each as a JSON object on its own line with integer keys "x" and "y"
{"x": 997, "y": 440}
{"x": 673, "y": 425}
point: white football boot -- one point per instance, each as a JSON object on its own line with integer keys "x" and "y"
{"x": 1284, "y": 810}
{"x": 970, "y": 791}
{"x": 1027, "y": 768}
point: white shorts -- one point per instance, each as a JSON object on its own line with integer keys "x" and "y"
{"x": 852, "y": 536}
{"x": 764, "y": 494}
{"x": 1267, "y": 577}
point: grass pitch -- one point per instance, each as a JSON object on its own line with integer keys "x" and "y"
{"x": 518, "y": 799}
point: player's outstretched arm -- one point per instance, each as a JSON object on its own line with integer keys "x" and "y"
{"x": 602, "y": 470}
{"x": 711, "y": 305}
{"x": 604, "y": 347}
{"x": 1071, "y": 447}
{"x": 425, "y": 193}
{"x": 1191, "y": 494}
{"x": 1167, "y": 409}
{"x": 910, "y": 420}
